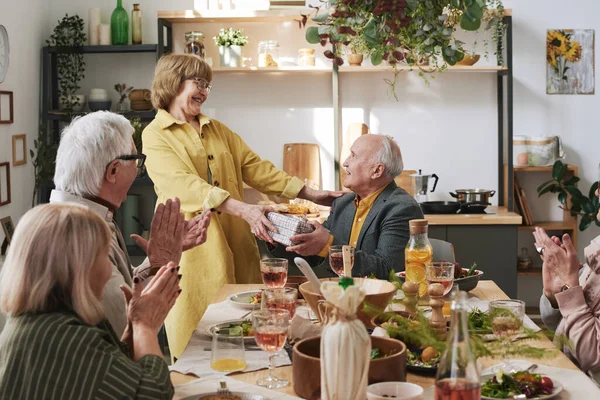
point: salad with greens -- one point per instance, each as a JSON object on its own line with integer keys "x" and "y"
{"x": 243, "y": 328}
{"x": 503, "y": 386}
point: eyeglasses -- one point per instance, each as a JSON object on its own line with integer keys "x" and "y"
{"x": 202, "y": 84}
{"x": 140, "y": 160}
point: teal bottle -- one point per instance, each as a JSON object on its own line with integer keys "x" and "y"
{"x": 119, "y": 25}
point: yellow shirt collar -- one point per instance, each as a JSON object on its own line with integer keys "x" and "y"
{"x": 369, "y": 200}
{"x": 165, "y": 119}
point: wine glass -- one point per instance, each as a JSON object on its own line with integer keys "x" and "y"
{"x": 280, "y": 298}
{"x": 270, "y": 332}
{"x": 227, "y": 352}
{"x": 441, "y": 272}
{"x": 274, "y": 272}
{"x": 507, "y": 320}
{"x": 336, "y": 259}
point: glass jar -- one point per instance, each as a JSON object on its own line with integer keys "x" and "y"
{"x": 194, "y": 43}
{"x": 520, "y": 151}
{"x": 524, "y": 262}
{"x": 306, "y": 57}
{"x": 268, "y": 53}
{"x": 417, "y": 254}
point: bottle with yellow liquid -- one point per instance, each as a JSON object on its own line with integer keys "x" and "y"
{"x": 418, "y": 252}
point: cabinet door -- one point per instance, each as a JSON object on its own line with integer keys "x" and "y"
{"x": 437, "y": 232}
{"x": 493, "y": 248}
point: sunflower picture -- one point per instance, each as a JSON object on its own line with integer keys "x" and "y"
{"x": 570, "y": 61}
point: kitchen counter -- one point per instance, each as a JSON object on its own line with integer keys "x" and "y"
{"x": 501, "y": 216}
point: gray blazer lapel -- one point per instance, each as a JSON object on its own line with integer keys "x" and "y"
{"x": 344, "y": 223}
{"x": 377, "y": 206}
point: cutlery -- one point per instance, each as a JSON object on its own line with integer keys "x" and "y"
{"x": 531, "y": 367}
{"x": 308, "y": 273}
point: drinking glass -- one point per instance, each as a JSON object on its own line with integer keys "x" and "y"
{"x": 270, "y": 332}
{"x": 227, "y": 352}
{"x": 441, "y": 272}
{"x": 507, "y": 320}
{"x": 274, "y": 272}
{"x": 280, "y": 298}
{"x": 336, "y": 259}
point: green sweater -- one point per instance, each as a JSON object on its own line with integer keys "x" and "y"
{"x": 58, "y": 356}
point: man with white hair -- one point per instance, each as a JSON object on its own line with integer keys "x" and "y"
{"x": 373, "y": 219}
{"x": 96, "y": 164}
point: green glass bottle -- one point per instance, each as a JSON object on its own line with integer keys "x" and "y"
{"x": 119, "y": 25}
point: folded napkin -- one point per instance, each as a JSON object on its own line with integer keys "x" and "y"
{"x": 302, "y": 328}
{"x": 211, "y": 384}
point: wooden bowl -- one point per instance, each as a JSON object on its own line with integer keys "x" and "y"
{"x": 469, "y": 59}
{"x": 379, "y": 295}
{"x": 306, "y": 365}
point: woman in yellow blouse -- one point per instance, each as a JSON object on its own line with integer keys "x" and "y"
{"x": 205, "y": 164}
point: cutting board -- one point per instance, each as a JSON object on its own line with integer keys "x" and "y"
{"x": 403, "y": 180}
{"x": 303, "y": 160}
{"x": 354, "y": 131}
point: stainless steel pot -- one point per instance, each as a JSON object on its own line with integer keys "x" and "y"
{"x": 473, "y": 195}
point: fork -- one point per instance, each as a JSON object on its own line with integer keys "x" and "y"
{"x": 223, "y": 389}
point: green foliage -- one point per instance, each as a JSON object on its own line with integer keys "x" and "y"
{"x": 230, "y": 37}
{"x": 43, "y": 160}
{"x": 70, "y": 66}
{"x": 138, "y": 127}
{"x": 580, "y": 205}
{"x": 123, "y": 91}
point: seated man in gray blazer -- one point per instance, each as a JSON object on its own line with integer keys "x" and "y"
{"x": 373, "y": 219}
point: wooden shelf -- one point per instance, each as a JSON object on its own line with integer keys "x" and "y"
{"x": 542, "y": 169}
{"x": 273, "y": 70}
{"x": 192, "y": 16}
{"x": 530, "y": 272}
{"x": 66, "y": 116}
{"x": 551, "y": 226}
{"x": 457, "y": 68}
{"x": 138, "y": 48}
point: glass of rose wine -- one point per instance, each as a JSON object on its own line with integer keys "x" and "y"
{"x": 270, "y": 332}
{"x": 274, "y": 272}
{"x": 336, "y": 259}
{"x": 280, "y": 298}
{"x": 441, "y": 272}
{"x": 507, "y": 320}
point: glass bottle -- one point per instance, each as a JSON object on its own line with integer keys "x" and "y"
{"x": 194, "y": 43}
{"x": 457, "y": 375}
{"x": 136, "y": 24}
{"x": 119, "y": 25}
{"x": 417, "y": 254}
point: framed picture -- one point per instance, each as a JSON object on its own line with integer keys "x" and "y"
{"x": 6, "y": 107}
{"x": 19, "y": 150}
{"x": 4, "y": 183}
{"x": 8, "y": 227}
{"x": 570, "y": 61}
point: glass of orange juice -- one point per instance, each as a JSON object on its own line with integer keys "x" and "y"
{"x": 228, "y": 350}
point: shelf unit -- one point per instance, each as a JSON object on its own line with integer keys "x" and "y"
{"x": 504, "y": 75}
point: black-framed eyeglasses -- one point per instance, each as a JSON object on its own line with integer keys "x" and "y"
{"x": 140, "y": 160}
{"x": 202, "y": 84}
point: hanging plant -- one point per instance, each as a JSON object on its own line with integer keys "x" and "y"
{"x": 70, "y": 65}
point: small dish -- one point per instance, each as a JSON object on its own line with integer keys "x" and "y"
{"x": 394, "y": 390}
{"x": 243, "y": 300}
{"x": 225, "y": 324}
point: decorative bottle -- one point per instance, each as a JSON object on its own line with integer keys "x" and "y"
{"x": 457, "y": 375}
{"x": 136, "y": 24}
{"x": 119, "y": 25}
{"x": 417, "y": 254}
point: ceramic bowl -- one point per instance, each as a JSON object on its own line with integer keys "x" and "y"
{"x": 306, "y": 365}
{"x": 100, "y": 105}
{"x": 469, "y": 59}
{"x": 379, "y": 295}
{"x": 394, "y": 390}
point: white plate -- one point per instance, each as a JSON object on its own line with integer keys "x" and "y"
{"x": 242, "y": 300}
{"x": 211, "y": 329}
{"x": 244, "y": 396}
{"x": 558, "y": 387}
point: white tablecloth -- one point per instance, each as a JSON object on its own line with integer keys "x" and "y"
{"x": 210, "y": 385}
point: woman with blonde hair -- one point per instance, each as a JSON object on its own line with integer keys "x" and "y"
{"x": 202, "y": 162}
{"x": 57, "y": 343}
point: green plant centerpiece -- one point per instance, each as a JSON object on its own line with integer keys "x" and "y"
{"x": 43, "y": 160}
{"x": 580, "y": 205}
{"x": 230, "y": 42}
{"x": 69, "y": 34}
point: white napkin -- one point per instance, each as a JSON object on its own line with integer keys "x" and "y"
{"x": 210, "y": 385}
{"x": 196, "y": 356}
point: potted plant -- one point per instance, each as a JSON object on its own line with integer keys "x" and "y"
{"x": 44, "y": 163}
{"x": 69, "y": 34}
{"x": 230, "y": 43}
{"x": 356, "y": 50}
{"x": 123, "y": 90}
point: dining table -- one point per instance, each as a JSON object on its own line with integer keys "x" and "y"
{"x": 486, "y": 290}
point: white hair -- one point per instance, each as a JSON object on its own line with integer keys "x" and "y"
{"x": 86, "y": 147}
{"x": 390, "y": 156}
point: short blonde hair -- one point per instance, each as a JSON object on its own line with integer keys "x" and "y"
{"x": 170, "y": 72}
{"x": 48, "y": 263}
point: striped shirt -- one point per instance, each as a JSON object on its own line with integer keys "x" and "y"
{"x": 58, "y": 356}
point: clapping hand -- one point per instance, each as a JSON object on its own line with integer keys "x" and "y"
{"x": 195, "y": 230}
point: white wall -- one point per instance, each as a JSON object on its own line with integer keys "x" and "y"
{"x": 448, "y": 127}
